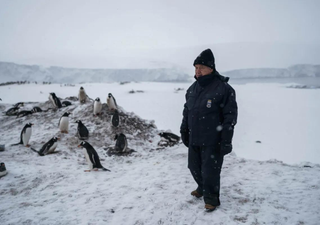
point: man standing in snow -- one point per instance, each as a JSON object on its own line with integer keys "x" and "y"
{"x": 209, "y": 116}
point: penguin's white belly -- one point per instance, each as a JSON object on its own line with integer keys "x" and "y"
{"x": 97, "y": 108}
{"x": 88, "y": 159}
{"x": 111, "y": 104}
{"x": 26, "y": 136}
{"x": 64, "y": 124}
{"x": 53, "y": 147}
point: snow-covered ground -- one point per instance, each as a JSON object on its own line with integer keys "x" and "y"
{"x": 153, "y": 186}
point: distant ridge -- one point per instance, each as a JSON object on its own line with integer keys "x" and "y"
{"x": 16, "y": 72}
{"x": 300, "y": 70}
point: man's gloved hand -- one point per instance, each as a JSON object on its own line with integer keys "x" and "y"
{"x": 185, "y": 137}
{"x": 226, "y": 148}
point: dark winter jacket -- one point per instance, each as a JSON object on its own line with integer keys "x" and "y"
{"x": 210, "y": 113}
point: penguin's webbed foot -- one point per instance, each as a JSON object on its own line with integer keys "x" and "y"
{"x": 27, "y": 146}
{"x": 87, "y": 171}
{"x": 95, "y": 169}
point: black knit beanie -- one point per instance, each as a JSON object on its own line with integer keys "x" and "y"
{"x": 205, "y": 58}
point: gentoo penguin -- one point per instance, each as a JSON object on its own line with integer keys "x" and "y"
{"x": 48, "y": 147}
{"x": 82, "y": 131}
{"x": 169, "y": 136}
{"x": 38, "y": 109}
{"x": 25, "y": 135}
{"x": 24, "y": 113}
{"x": 111, "y": 101}
{"x": 97, "y": 106}
{"x": 3, "y": 170}
{"x": 66, "y": 103}
{"x": 121, "y": 143}
{"x": 92, "y": 157}
{"x": 13, "y": 111}
{"x": 82, "y": 96}
{"x": 55, "y": 100}
{"x": 64, "y": 122}
{"x": 115, "y": 118}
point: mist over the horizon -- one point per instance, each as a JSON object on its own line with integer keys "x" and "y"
{"x": 140, "y": 34}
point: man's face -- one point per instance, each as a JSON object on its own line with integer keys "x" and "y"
{"x": 202, "y": 70}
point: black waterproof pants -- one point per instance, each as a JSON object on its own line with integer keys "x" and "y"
{"x": 205, "y": 165}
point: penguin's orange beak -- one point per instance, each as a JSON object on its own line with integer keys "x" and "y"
{"x": 79, "y": 146}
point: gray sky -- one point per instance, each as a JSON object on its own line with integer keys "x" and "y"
{"x": 81, "y": 33}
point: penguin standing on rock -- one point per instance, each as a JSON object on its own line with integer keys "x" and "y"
{"x": 55, "y": 100}
{"x": 82, "y": 131}
{"x": 64, "y": 123}
{"x": 92, "y": 157}
{"x": 121, "y": 143}
{"x": 82, "y": 96}
{"x": 25, "y": 135}
{"x": 111, "y": 101}
{"x": 97, "y": 107}
{"x": 48, "y": 147}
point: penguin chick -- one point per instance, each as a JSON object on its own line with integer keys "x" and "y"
{"x": 97, "y": 107}
{"x": 82, "y": 131}
{"x": 64, "y": 122}
{"x": 111, "y": 101}
{"x": 82, "y": 96}
{"x": 92, "y": 157}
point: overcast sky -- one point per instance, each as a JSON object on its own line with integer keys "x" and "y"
{"x": 62, "y": 32}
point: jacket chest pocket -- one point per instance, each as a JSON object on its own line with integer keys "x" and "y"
{"x": 211, "y": 102}
{"x": 191, "y": 101}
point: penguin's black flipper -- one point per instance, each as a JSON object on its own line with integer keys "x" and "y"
{"x": 105, "y": 169}
{"x": 36, "y": 151}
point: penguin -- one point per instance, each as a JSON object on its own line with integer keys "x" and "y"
{"x": 111, "y": 101}
{"x": 97, "y": 107}
{"x": 121, "y": 143}
{"x": 115, "y": 118}
{"x": 3, "y": 170}
{"x": 82, "y": 96}
{"x": 48, "y": 147}
{"x": 64, "y": 123}
{"x": 66, "y": 103}
{"x": 82, "y": 131}
{"x": 25, "y": 135}
{"x": 168, "y": 139}
{"x": 55, "y": 100}
{"x": 92, "y": 157}
{"x": 169, "y": 136}
{"x": 38, "y": 109}
{"x": 24, "y": 113}
{"x": 13, "y": 111}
